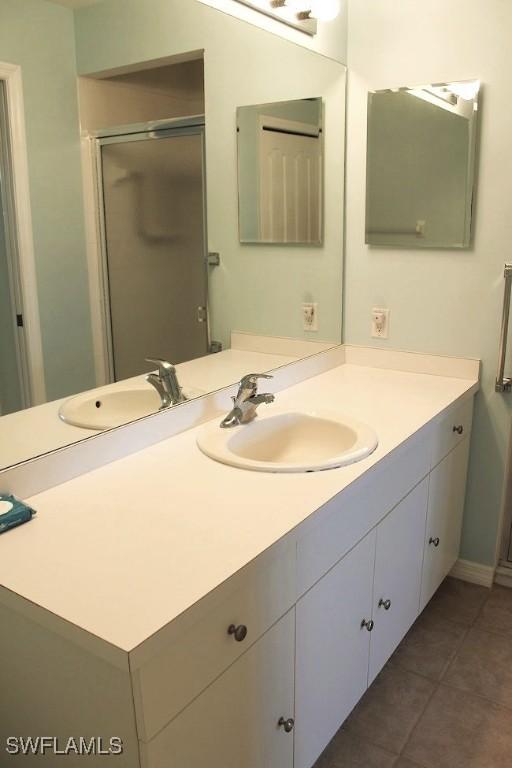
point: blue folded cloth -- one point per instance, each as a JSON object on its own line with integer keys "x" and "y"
{"x": 13, "y": 512}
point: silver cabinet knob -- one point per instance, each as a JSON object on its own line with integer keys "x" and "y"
{"x": 386, "y": 604}
{"x": 239, "y": 632}
{"x": 459, "y": 429}
{"x": 435, "y": 541}
{"x": 368, "y": 623}
{"x": 286, "y": 725}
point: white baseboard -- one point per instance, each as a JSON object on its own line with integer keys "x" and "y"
{"x": 504, "y": 575}
{"x": 475, "y": 573}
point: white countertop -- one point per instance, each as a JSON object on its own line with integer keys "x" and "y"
{"x": 125, "y": 549}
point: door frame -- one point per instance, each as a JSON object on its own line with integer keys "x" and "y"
{"x": 95, "y": 217}
{"x": 20, "y": 234}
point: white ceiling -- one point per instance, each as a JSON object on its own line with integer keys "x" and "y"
{"x": 75, "y": 3}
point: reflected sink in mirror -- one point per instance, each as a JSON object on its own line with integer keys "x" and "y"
{"x": 136, "y": 276}
{"x": 101, "y": 410}
{"x": 290, "y": 442}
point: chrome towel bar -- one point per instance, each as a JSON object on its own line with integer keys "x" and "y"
{"x": 504, "y": 384}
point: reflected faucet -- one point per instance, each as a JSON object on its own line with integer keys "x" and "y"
{"x": 247, "y": 400}
{"x": 166, "y": 383}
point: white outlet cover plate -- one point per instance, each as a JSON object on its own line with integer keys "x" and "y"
{"x": 383, "y": 332}
{"x": 310, "y": 325}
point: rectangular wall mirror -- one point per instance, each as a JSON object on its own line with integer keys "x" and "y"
{"x": 280, "y": 172}
{"x": 131, "y": 185}
{"x": 421, "y": 165}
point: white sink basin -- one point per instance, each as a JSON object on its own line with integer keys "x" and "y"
{"x": 290, "y": 442}
{"x": 107, "y": 409}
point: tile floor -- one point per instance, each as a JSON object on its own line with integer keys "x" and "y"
{"x": 444, "y": 699}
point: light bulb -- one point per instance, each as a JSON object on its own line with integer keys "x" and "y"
{"x": 467, "y": 90}
{"x": 300, "y": 6}
{"x": 325, "y": 10}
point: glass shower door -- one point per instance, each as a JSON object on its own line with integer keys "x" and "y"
{"x": 11, "y": 387}
{"x": 153, "y": 193}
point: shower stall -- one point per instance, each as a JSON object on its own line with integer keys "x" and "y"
{"x": 14, "y": 391}
{"x": 153, "y": 215}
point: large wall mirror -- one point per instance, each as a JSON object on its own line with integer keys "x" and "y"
{"x": 129, "y": 159}
{"x": 421, "y": 165}
{"x": 280, "y": 172}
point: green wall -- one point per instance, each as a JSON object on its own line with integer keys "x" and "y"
{"x": 39, "y": 36}
{"x": 441, "y": 302}
{"x": 257, "y": 288}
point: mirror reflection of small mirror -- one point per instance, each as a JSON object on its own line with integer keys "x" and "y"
{"x": 280, "y": 170}
{"x": 421, "y": 165}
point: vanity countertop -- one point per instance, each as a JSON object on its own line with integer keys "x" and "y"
{"x": 125, "y": 549}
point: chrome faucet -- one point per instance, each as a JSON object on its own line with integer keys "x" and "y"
{"x": 247, "y": 401}
{"x": 166, "y": 383}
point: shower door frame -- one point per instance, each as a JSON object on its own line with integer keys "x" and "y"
{"x": 20, "y": 243}
{"x": 150, "y": 131}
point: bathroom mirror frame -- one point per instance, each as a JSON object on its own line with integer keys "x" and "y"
{"x": 418, "y": 198}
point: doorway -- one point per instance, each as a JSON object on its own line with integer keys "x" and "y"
{"x": 14, "y": 391}
{"x": 152, "y": 192}
{"x": 290, "y": 181}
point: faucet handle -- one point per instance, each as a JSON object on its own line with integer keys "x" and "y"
{"x": 164, "y": 367}
{"x": 251, "y": 379}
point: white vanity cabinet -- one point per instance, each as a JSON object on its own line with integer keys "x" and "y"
{"x": 397, "y": 578}
{"x": 332, "y": 650}
{"x": 447, "y": 489}
{"x": 244, "y": 719}
{"x": 262, "y": 662}
{"x": 196, "y": 652}
{"x": 444, "y": 519}
{"x": 343, "y": 614}
{"x": 351, "y": 621}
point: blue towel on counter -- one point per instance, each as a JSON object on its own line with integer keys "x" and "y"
{"x": 13, "y": 512}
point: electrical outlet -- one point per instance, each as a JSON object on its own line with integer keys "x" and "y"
{"x": 380, "y": 323}
{"x": 310, "y": 317}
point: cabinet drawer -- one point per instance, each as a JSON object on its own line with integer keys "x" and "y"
{"x": 450, "y": 429}
{"x": 255, "y": 598}
{"x": 235, "y": 722}
{"x": 349, "y": 516}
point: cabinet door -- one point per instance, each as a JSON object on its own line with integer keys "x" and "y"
{"x": 397, "y": 581}
{"x": 332, "y": 650}
{"x": 444, "y": 519}
{"x": 235, "y": 722}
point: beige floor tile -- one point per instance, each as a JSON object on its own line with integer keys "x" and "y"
{"x": 346, "y": 751}
{"x": 388, "y": 711}
{"x": 496, "y": 615}
{"x": 459, "y": 601}
{"x": 459, "y": 730}
{"x": 430, "y": 645}
{"x": 483, "y": 666}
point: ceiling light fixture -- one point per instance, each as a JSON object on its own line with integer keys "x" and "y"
{"x": 300, "y": 14}
{"x": 325, "y": 10}
{"x": 466, "y": 89}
